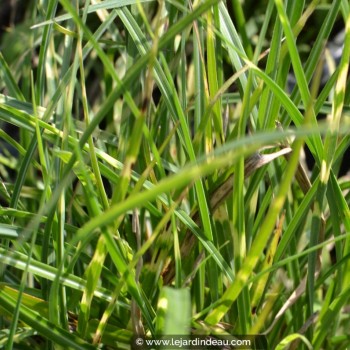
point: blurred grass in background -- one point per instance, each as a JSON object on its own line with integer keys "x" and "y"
{"x": 121, "y": 125}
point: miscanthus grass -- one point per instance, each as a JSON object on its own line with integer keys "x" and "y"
{"x": 152, "y": 173}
